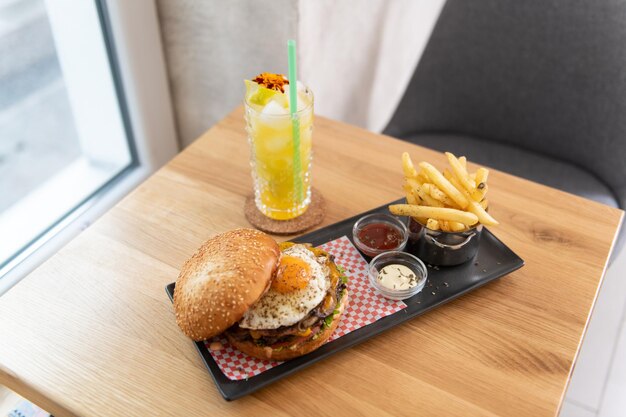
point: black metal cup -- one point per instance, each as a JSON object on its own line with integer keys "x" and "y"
{"x": 436, "y": 247}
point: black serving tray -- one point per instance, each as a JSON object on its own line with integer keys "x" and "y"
{"x": 494, "y": 260}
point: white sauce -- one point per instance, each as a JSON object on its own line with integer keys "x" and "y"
{"x": 397, "y": 277}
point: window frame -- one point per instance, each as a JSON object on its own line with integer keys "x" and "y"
{"x": 130, "y": 30}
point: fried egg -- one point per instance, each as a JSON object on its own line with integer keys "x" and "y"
{"x": 299, "y": 285}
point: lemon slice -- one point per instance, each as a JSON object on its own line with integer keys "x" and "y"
{"x": 259, "y": 95}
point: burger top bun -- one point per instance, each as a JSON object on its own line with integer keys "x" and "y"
{"x": 228, "y": 274}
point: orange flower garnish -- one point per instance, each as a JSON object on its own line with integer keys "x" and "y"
{"x": 272, "y": 81}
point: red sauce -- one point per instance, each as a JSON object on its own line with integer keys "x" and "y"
{"x": 381, "y": 236}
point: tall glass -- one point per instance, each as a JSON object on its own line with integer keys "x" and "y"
{"x": 282, "y": 190}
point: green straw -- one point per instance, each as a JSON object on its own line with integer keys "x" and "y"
{"x": 295, "y": 123}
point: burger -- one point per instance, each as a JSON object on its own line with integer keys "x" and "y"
{"x": 272, "y": 301}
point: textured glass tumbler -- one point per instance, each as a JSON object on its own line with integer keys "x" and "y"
{"x": 282, "y": 186}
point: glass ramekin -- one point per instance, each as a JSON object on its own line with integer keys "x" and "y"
{"x": 379, "y": 218}
{"x": 402, "y": 258}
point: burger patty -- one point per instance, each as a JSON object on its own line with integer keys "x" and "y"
{"x": 313, "y": 320}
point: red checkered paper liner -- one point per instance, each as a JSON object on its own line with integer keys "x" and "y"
{"x": 365, "y": 307}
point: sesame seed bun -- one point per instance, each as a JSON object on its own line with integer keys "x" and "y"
{"x": 218, "y": 284}
{"x": 265, "y": 352}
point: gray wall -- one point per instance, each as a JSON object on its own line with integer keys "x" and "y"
{"x": 211, "y": 46}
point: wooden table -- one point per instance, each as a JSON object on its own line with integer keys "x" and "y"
{"x": 92, "y": 333}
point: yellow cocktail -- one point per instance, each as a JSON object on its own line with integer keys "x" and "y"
{"x": 281, "y": 183}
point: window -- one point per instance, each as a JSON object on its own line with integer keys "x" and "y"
{"x": 67, "y": 97}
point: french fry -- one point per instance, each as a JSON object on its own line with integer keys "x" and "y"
{"x": 444, "y": 185}
{"x": 407, "y": 166}
{"x": 480, "y": 192}
{"x": 481, "y": 176}
{"x": 423, "y": 195}
{"x": 474, "y": 206}
{"x": 457, "y": 227}
{"x": 451, "y": 201}
{"x": 476, "y": 195}
{"x": 450, "y": 177}
{"x": 437, "y": 213}
{"x": 428, "y": 200}
{"x": 461, "y": 173}
{"x": 483, "y": 217}
{"x": 412, "y": 183}
{"x": 439, "y": 195}
{"x": 422, "y": 177}
{"x": 427, "y": 189}
{"x": 432, "y": 224}
{"x": 410, "y": 197}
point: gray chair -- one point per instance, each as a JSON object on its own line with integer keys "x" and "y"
{"x": 536, "y": 88}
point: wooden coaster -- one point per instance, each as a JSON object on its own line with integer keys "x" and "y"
{"x": 311, "y": 217}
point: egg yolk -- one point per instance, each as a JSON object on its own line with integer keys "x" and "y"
{"x": 293, "y": 274}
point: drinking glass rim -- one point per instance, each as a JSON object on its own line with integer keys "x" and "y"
{"x": 288, "y": 115}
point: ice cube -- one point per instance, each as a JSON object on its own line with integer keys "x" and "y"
{"x": 276, "y": 143}
{"x": 303, "y": 100}
{"x": 274, "y": 109}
